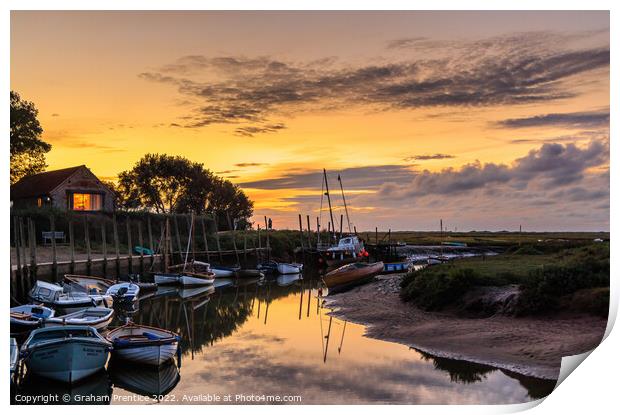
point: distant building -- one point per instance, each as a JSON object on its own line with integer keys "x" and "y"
{"x": 74, "y": 188}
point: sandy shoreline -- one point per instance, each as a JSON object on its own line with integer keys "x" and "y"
{"x": 528, "y": 346}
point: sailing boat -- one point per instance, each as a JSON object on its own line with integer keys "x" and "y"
{"x": 188, "y": 275}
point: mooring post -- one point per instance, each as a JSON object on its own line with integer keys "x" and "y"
{"x": 232, "y": 233}
{"x": 116, "y": 243}
{"x": 150, "y": 231}
{"x": 54, "y": 259}
{"x": 129, "y": 250}
{"x": 217, "y": 235}
{"x": 176, "y": 228}
{"x": 18, "y": 271}
{"x": 245, "y": 247}
{"x": 258, "y": 246}
{"x": 104, "y": 248}
{"x": 87, "y": 243}
{"x": 71, "y": 247}
{"x": 33, "y": 249}
{"x": 301, "y": 236}
{"x": 22, "y": 247}
{"x": 141, "y": 242}
{"x": 162, "y": 246}
{"x": 268, "y": 246}
{"x": 204, "y": 237}
{"x": 309, "y": 232}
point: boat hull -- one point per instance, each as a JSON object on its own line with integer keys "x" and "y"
{"x": 166, "y": 279}
{"x": 148, "y": 355}
{"x": 223, "y": 272}
{"x": 69, "y": 360}
{"x": 394, "y": 267}
{"x": 344, "y": 279}
{"x": 187, "y": 280}
{"x": 97, "y": 322}
{"x": 290, "y": 268}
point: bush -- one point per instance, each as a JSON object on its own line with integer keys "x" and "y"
{"x": 432, "y": 289}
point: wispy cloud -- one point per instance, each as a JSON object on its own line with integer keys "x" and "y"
{"x": 424, "y": 157}
{"x": 516, "y": 69}
{"x": 586, "y": 119}
{"x": 250, "y": 164}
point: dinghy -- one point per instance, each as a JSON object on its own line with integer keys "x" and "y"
{"x": 54, "y": 295}
{"x": 66, "y": 354}
{"x": 394, "y": 267}
{"x": 162, "y": 278}
{"x": 97, "y": 317}
{"x": 223, "y": 272}
{"x": 143, "y": 344}
{"x": 268, "y": 268}
{"x": 26, "y": 318}
{"x": 87, "y": 283}
{"x": 125, "y": 291}
{"x": 284, "y": 268}
{"x": 351, "y": 274}
{"x": 196, "y": 278}
{"x": 14, "y": 356}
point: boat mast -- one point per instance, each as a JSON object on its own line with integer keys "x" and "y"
{"x": 346, "y": 211}
{"x": 189, "y": 240}
{"x": 329, "y": 202}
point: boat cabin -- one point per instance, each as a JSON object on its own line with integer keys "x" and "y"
{"x": 348, "y": 244}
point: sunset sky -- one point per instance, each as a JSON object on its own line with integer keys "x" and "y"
{"x": 489, "y": 120}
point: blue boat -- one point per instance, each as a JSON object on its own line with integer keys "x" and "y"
{"x": 396, "y": 266}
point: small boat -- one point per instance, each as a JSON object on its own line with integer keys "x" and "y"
{"x": 125, "y": 291}
{"x": 144, "y": 380}
{"x": 14, "y": 356}
{"x": 284, "y": 268}
{"x": 249, "y": 273}
{"x": 351, "y": 274}
{"x": 288, "y": 279}
{"x": 196, "y": 278}
{"x": 224, "y": 272}
{"x": 162, "y": 278}
{"x": 97, "y": 317}
{"x": 54, "y": 295}
{"x": 26, "y": 318}
{"x": 268, "y": 268}
{"x": 87, "y": 283}
{"x": 393, "y": 267}
{"x": 66, "y": 354}
{"x": 143, "y": 344}
{"x": 144, "y": 286}
{"x": 140, "y": 250}
{"x": 436, "y": 260}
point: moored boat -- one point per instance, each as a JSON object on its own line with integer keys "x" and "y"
{"x": 97, "y": 317}
{"x": 162, "y": 278}
{"x": 393, "y": 267}
{"x": 67, "y": 354}
{"x": 351, "y": 274}
{"x": 26, "y": 318}
{"x": 125, "y": 291}
{"x": 223, "y": 272}
{"x": 196, "y": 278}
{"x": 284, "y": 268}
{"x": 54, "y": 295}
{"x": 143, "y": 344}
{"x": 88, "y": 283}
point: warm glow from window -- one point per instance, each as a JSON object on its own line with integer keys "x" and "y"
{"x": 86, "y": 201}
{"x": 39, "y": 202}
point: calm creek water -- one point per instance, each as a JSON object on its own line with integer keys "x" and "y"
{"x": 250, "y": 341}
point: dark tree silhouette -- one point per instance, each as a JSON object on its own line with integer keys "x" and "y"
{"x": 27, "y": 148}
{"x": 173, "y": 184}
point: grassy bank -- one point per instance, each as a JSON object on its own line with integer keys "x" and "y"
{"x": 551, "y": 278}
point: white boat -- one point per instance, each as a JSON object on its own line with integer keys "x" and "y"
{"x": 143, "y": 344}
{"x": 66, "y": 354}
{"x": 224, "y": 272}
{"x": 87, "y": 283}
{"x": 54, "y": 295}
{"x": 97, "y": 317}
{"x": 195, "y": 278}
{"x": 127, "y": 291}
{"x": 288, "y": 279}
{"x": 25, "y": 318}
{"x": 284, "y": 268}
{"x": 14, "y": 356}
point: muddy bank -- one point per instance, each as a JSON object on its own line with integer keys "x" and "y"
{"x": 528, "y": 346}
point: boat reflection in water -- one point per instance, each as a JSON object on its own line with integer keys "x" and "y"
{"x": 95, "y": 389}
{"x": 150, "y": 381}
{"x": 259, "y": 336}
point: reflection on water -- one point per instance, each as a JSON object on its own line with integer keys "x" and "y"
{"x": 274, "y": 338}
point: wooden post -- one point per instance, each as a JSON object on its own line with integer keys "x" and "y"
{"x": 376, "y": 236}
{"x": 259, "y": 246}
{"x": 33, "y": 249}
{"x": 341, "y": 219}
{"x": 318, "y": 232}
{"x": 204, "y": 237}
{"x": 176, "y": 228}
{"x": 232, "y": 233}
{"x": 129, "y": 250}
{"x": 22, "y": 247}
{"x": 116, "y": 243}
{"x": 87, "y": 243}
{"x": 355, "y": 230}
{"x": 167, "y": 245}
{"x": 268, "y": 246}
{"x": 141, "y": 242}
{"x": 309, "y": 232}
{"x": 54, "y": 259}
{"x": 19, "y": 271}
{"x": 71, "y": 247}
{"x": 104, "y": 248}
{"x": 301, "y": 236}
{"x": 151, "y": 245}
{"x": 217, "y": 236}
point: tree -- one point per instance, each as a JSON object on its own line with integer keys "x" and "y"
{"x": 27, "y": 148}
{"x": 173, "y": 184}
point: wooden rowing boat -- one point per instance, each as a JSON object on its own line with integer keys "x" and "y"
{"x": 352, "y": 274}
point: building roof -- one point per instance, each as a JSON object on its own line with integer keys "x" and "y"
{"x": 41, "y": 183}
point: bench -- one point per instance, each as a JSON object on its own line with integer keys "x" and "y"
{"x": 57, "y": 236}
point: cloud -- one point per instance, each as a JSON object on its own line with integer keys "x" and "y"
{"x": 251, "y": 131}
{"x": 517, "y": 69}
{"x": 364, "y": 177}
{"x": 55, "y": 114}
{"x": 250, "y": 164}
{"x": 566, "y": 120}
{"x": 423, "y": 157}
{"x": 548, "y": 167}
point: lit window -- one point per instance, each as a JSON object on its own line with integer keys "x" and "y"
{"x": 86, "y": 201}
{"x": 39, "y": 202}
